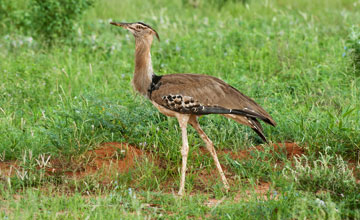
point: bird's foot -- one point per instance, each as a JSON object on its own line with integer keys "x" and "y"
{"x": 181, "y": 192}
{"x": 227, "y": 188}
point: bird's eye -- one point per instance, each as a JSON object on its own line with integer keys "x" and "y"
{"x": 138, "y": 27}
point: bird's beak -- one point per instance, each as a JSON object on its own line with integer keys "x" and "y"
{"x": 123, "y": 25}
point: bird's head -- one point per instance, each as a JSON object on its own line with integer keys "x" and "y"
{"x": 138, "y": 29}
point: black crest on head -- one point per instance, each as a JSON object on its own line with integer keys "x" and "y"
{"x": 146, "y": 25}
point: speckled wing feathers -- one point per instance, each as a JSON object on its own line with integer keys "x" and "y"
{"x": 203, "y": 94}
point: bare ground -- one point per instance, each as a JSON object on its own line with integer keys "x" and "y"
{"x": 111, "y": 158}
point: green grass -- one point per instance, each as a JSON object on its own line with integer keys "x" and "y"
{"x": 297, "y": 59}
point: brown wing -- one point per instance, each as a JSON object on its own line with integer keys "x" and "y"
{"x": 203, "y": 94}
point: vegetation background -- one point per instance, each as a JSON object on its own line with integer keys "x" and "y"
{"x": 65, "y": 88}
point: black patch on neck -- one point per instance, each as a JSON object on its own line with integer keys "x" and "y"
{"x": 154, "y": 85}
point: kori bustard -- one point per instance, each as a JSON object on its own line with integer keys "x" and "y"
{"x": 188, "y": 96}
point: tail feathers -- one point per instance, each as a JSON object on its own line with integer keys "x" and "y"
{"x": 248, "y": 114}
{"x": 256, "y": 126}
{"x": 253, "y": 115}
{"x": 245, "y": 112}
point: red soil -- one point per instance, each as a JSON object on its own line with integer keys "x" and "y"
{"x": 109, "y": 159}
{"x": 112, "y": 158}
{"x": 7, "y": 169}
{"x": 261, "y": 190}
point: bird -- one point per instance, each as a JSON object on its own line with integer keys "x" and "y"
{"x": 189, "y": 96}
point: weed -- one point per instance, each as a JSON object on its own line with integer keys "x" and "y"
{"x": 29, "y": 172}
{"x": 328, "y": 173}
{"x": 147, "y": 175}
{"x": 320, "y": 208}
{"x": 258, "y": 165}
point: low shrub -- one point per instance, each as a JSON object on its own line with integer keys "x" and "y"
{"x": 13, "y": 16}
{"x": 54, "y": 20}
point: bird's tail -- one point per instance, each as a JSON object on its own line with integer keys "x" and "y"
{"x": 254, "y": 115}
{"x": 245, "y": 112}
{"x": 251, "y": 117}
{"x": 256, "y": 126}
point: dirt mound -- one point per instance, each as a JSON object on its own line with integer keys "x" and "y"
{"x": 122, "y": 155}
{"x": 291, "y": 149}
{"x": 262, "y": 191}
{"x": 7, "y": 169}
{"x": 108, "y": 159}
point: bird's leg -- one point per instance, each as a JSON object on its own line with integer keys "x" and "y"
{"x": 210, "y": 147}
{"x": 183, "y": 121}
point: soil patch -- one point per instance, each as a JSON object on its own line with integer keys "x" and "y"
{"x": 107, "y": 160}
{"x": 7, "y": 169}
{"x": 113, "y": 157}
{"x": 261, "y": 190}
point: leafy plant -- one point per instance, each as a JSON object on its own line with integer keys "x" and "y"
{"x": 13, "y": 15}
{"x": 4, "y": 9}
{"x": 52, "y": 19}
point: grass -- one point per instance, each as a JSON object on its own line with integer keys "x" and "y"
{"x": 297, "y": 59}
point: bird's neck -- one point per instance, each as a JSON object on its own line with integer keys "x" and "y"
{"x": 143, "y": 66}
